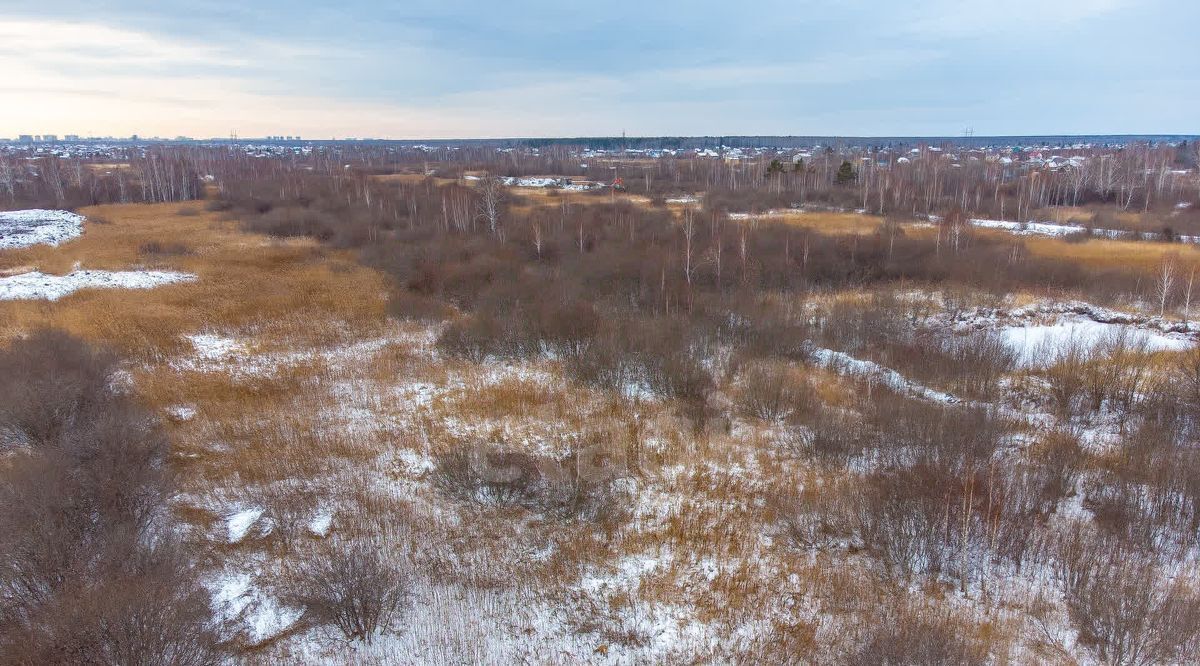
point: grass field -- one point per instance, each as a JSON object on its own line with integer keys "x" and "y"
{"x": 290, "y": 288}
{"x": 303, "y": 399}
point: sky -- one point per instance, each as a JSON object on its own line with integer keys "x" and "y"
{"x": 510, "y": 68}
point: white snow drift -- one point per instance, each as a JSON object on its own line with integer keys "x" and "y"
{"x": 1034, "y": 342}
{"x": 25, "y": 228}
{"x": 41, "y": 286}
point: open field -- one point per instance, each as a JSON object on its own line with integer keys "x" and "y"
{"x": 245, "y": 282}
{"x": 1115, "y": 254}
{"x": 626, "y": 429}
{"x": 499, "y": 334}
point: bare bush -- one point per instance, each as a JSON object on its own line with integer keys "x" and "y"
{"x": 983, "y": 359}
{"x": 1132, "y": 615}
{"x": 918, "y": 636}
{"x": 353, "y": 587}
{"x": 89, "y": 571}
{"x": 472, "y": 338}
{"x": 52, "y": 383}
{"x": 1067, "y": 363}
{"x": 579, "y": 486}
{"x": 770, "y": 391}
{"x": 165, "y": 249}
{"x": 903, "y": 519}
{"x": 1059, "y": 460}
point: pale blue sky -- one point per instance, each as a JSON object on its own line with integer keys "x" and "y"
{"x": 483, "y": 69}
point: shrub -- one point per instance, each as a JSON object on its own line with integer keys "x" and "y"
{"x": 89, "y": 568}
{"x": 580, "y": 486}
{"x": 352, "y": 587}
{"x": 50, "y": 383}
{"x": 473, "y": 338}
{"x": 771, "y": 391}
{"x": 165, "y": 249}
{"x": 918, "y": 637}
{"x": 1132, "y": 616}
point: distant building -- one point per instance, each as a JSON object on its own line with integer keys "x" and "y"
{"x": 71, "y": 137}
{"x": 25, "y": 138}
{"x": 49, "y": 137}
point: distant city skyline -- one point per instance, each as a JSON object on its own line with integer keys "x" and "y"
{"x": 424, "y": 69}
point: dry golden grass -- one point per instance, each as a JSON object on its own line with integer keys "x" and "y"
{"x": 825, "y": 222}
{"x": 1112, "y": 254}
{"x": 555, "y": 197}
{"x": 107, "y": 166}
{"x": 293, "y": 288}
{"x": 1096, "y": 253}
{"x": 411, "y": 179}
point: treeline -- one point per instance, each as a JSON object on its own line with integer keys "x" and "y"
{"x": 932, "y": 181}
{"x": 433, "y": 237}
{"x": 154, "y": 176}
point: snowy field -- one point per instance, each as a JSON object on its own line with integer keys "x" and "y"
{"x": 41, "y": 286}
{"x": 1033, "y": 327}
{"x": 546, "y": 181}
{"x": 1031, "y": 341}
{"x": 26, "y": 228}
{"x": 1054, "y": 230}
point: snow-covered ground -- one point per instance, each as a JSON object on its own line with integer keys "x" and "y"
{"x": 41, "y": 286}
{"x": 25, "y": 228}
{"x": 547, "y": 181}
{"x": 1059, "y": 230}
{"x": 518, "y": 596}
{"x": 1031, "y": 340}
{"x": 1045, "y": 325}
{"x": 795, "y": 210}
{"x": 257, "y": 615}
{"x": 775, "y": 212}
{"x": 238, "y": 524}
{"x": 846, "y": 364}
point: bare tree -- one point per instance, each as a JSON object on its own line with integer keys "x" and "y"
{"x": 1165, "y": 280}
{"x": 491, "y": 191}
{"x": 1187, "y": 301}
{"x": 689, "y": 231}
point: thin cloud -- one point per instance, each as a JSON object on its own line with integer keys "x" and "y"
{"x": 429, "y": 68}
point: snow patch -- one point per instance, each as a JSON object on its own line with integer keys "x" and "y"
{"x": 544, "y": 181}
{"x": 414, "y": 463}
{"x": 846, "y": 364}
{"x": 1031, "y": 341}
{"x": 1046, "y": 325}
{"x": 321, "y": 522}
{"x": 182, "y": 412}
{"x": 40, "y": 286}
{"x": 260, "y": 617}
{"x": 238, "y": 524}
{"x": 1054, "y": 230}
{"x": 26, "y": 228}
{"x": 211, "y": 347}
